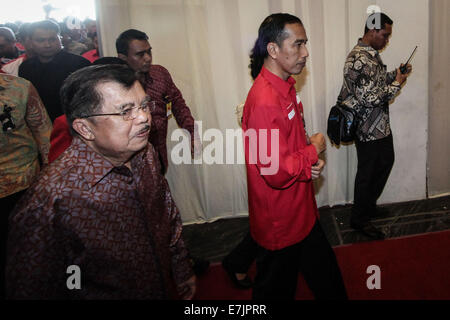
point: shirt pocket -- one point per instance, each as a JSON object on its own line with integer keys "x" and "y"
{"x": 290, "y": 115}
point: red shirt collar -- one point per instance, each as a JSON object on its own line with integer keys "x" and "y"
{"x": 283, "y": 86}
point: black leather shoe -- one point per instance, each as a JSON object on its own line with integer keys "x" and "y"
{"x": 369, "y": 230}
{"x": 245, "y": 283}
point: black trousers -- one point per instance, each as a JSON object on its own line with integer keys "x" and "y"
{"x": 243, "y": 255}
{"x": 7, "y": 205}
{"x": 277, "y": 271}
{"x": 375, "y": 161}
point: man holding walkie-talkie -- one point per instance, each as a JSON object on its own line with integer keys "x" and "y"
{"x": 368, "y": 88}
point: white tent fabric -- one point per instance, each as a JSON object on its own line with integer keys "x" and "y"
{"x": 205, "y": 45}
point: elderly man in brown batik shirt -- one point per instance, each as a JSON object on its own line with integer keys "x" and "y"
{"x": 102, "y": 210}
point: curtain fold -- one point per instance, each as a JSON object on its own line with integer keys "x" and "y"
{"x": 205, "y": 45}
{"x": 439, "y": 135}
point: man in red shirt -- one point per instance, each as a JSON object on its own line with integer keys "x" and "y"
{"x": 281, "y": 165}
{"x": 8, "y": 48}
{"x": 92, "y": 55}
{"x": 12, "y": 67}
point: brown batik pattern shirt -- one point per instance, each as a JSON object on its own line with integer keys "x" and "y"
{"x": 119, "y": 226}
{"x": 160, "y": 87}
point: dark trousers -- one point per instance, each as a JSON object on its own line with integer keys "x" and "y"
{"x": 7, "y": 205}
{"x": 243, "y": 255}
{"x": 375, "y": 161}
{"x": 277, "y": 271}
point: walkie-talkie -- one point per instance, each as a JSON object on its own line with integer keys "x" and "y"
{"x": 404, "y": 69}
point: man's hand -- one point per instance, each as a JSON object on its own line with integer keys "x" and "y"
{"x": 318, "y": 141}
{"x": 186, "y": 290}
{"x": 317, "y": 169}
{"x": 196, "y": 148}
{"x": 400, "y": 77}
{"x": 196, "y": 144}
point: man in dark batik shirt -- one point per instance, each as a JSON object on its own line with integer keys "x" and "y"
{"x": 102, "y": 208}
{"x": 133, "y": 47}
{"x": 368, "y": 88}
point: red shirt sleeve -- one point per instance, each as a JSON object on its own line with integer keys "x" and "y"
{"x": 285, "y": 164}
{"x": 60, "y": 138}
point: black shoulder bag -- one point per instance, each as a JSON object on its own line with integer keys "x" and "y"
{"x": 342, "y": 123}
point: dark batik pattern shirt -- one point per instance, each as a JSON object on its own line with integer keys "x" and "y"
{"x": 160, "y": 87}
{"x": 119, "y": 226}
{"x": 368, "y": 88}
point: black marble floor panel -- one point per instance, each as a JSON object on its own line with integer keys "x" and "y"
{"x": 212, "y": 241}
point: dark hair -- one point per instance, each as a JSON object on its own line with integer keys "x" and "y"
{"x": 271, "y": 30}
{"x": 24, "y": 31}
{"x": 126, "y": 37}
{"x": 377, "y": 16}
{"x": 79, "y": 93}
{"x": 8, "y": 34}
{"x": 44, "y": 24}
{"x": 108, "y": 60}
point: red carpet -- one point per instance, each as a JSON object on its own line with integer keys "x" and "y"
{"x": 412, "y": 268}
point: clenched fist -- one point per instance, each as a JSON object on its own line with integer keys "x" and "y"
{"x": 317, "y": 169}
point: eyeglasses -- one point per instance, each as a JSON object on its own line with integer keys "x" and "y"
{"x": 128, "y": 113}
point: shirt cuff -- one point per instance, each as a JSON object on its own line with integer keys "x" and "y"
{"x": 311, "y": 154}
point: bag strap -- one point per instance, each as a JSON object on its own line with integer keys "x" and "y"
{"x": 339, "y": 99}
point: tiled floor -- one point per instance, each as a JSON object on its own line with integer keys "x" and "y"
{"x": 212, "y": 241}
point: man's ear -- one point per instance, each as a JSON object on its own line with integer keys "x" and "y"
{"x": 372, "y": 32}
{"x": 84, "y": 128}
{"x": 272, "y": 50}
{"x": 122, "y": 56}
